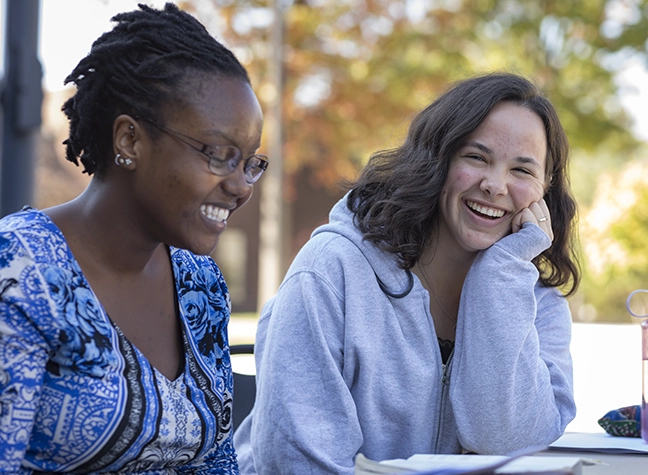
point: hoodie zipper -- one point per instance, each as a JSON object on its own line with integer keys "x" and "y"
{"x": 445, "y": 381}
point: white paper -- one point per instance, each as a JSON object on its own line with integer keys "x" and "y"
{"x": 600, "y": 442}
{"x": 466, "y": 464}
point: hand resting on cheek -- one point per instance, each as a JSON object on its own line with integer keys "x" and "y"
{"x": 537, "y": 213}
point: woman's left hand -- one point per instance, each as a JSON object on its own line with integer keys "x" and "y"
{"x": 537, "y": 213}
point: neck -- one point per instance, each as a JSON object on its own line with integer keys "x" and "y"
{"x": 446, "y": 270}
{"x": 443, "y": 269}
{"x": 446, "y": 262}
{"x": 102, "y": 231}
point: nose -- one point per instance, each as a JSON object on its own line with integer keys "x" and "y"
{"x": 494, "y": 183}
{"x": 235, "y": 183}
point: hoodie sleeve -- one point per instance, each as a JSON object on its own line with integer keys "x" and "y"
{"x": 511, "y": 378}
{"x": 305, "y": 420}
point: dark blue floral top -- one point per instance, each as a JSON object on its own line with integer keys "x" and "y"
{"x": 77, "y": 396}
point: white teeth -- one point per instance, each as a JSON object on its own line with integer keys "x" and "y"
{"x": 492, "y": 212}
{"x": 214, "y": 213}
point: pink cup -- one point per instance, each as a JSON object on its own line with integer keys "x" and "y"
{"x": 640, "y": 310}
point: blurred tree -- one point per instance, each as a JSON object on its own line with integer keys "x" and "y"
{"x": 356, "y": 71}
{"x": 615, "y": 232}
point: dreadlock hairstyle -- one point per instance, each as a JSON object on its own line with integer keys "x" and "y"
{"x": 396, "y": 199}
{"x": 137, "y": 68}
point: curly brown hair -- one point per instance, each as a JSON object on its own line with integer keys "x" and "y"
{"x": 396, "y": 198}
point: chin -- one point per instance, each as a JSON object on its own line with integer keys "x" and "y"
{"x": 203, "y": 249}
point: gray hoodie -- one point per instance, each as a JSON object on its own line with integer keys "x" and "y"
{"x": 344, "y": 368}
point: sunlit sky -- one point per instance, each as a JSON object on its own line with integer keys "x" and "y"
{"x": 68, "y": 28}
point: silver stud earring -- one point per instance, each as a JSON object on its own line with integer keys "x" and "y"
{"x": 119, "y": 160}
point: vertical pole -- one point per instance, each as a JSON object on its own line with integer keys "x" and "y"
{"x": 22, "y": 97}
{"x": 271, "y": 229}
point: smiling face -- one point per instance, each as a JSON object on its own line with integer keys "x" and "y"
{"x": 497, "y": 172}
{"x": 181, "y": 203}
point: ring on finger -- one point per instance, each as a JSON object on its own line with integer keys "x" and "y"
{"x": 542, "y": 219}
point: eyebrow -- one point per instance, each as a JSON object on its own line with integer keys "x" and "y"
{"x": 216, "y": 133}
{"x": 485, "y": 149}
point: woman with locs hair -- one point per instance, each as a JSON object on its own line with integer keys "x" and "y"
{"x": 114, "y": 354}
{"x": 426, "y": 316}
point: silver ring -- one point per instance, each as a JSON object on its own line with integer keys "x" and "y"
{"x": 542, "y": 220}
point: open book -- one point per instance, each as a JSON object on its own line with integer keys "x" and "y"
{"x": 424, "y": 464}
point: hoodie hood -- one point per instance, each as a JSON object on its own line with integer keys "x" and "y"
{"x": 393, "y": 280}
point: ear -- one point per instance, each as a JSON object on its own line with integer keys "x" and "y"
{"x": 127, "y": 132}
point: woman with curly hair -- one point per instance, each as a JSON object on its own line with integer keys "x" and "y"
{"x": 426, "y": 316}
{"x": 114, "y": 354}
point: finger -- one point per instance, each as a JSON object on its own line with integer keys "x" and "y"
{"x": 524, "y": 216}
{"x": 544, "y": 210}
{"x": 538, "y": 213}
{"x": 516, "y": 224}
{"x": 549, "y": 228}
{"x": 542, "y": 217}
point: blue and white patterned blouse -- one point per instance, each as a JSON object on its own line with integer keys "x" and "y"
{"x": 77, "y": 396}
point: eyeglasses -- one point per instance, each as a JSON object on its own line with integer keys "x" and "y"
{"x": 222, "y": 160}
